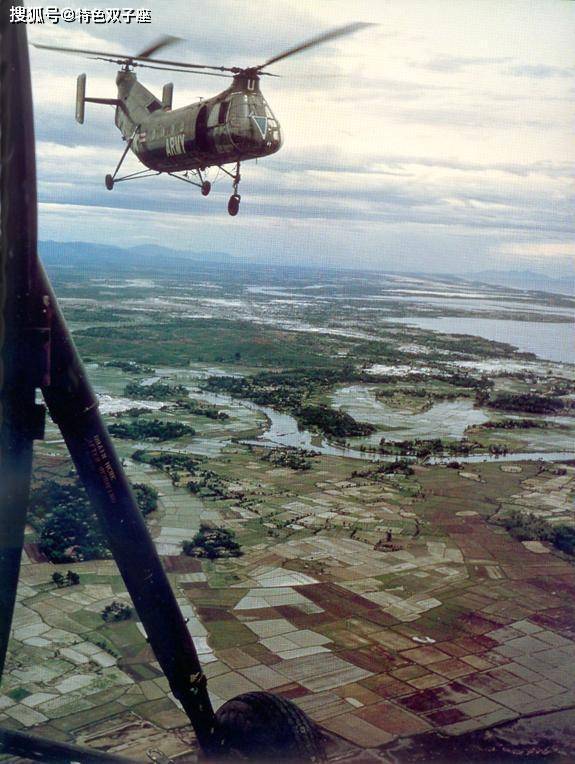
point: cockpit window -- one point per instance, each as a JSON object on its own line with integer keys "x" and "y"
{"x": 239, "y": 107}
{"x": 154, "y": 106}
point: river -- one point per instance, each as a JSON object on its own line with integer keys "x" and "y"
{"x": 282, "y": 430}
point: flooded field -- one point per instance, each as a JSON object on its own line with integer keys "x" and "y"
{"x": 447, "y": 419}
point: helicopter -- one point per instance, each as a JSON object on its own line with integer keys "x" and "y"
{"x": 233, "y": 126}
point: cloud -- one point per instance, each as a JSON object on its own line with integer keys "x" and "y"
{"x": 541, "y": 71}
{"x": 456, "y": 64}
{"x": 382, "y": 153}
{"x": 540, "y": 249}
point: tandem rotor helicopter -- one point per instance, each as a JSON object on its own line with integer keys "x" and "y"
{"x": 233, "y": 126}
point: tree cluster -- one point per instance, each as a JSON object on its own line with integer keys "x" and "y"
{"x": 167, "y": 460}
{"x": 423, "y": 449}
{"x": 532, "y": 403}
{"x": 70, "y": 579}
{"x": 213, "y": 543}
{"x": 157, "y": 391}
{"x": 116, "y": 611}
{"x": 201, "y": 409}
{"x": 513, "y": 424}
{"x": 67, "y": 526}
{"x": 332, "y": 422}
{"x": 153, "y": 429}
{"x": 398, "y": 467}
{"x": 146, "y": 496}
{"x": 132, "y": 367}
{"x": 292, "y": 458}
{"x": 525, "y": 526}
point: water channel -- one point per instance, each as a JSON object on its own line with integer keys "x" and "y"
{"x": 443, "y": 419}
{"x": 283, "y": 430}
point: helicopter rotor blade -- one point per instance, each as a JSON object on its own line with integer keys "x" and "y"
{"x": 188, "y": 66}
{"x": 160, "y": 68}
{"x": 186, "y": 71}
{"x": 122, "y": 58}
{"x": 318, "y": 40}
{"x": 162, "y": 42}
{"x": 82, "y": 51}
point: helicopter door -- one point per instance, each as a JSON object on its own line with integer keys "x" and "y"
{"x": 202, "y": 137}
{"x": 218, "y": 128}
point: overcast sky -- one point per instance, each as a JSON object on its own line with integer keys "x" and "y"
{"x": 439, "y": 140}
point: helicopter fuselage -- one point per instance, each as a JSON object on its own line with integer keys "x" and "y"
{"x": 233, "y": 126}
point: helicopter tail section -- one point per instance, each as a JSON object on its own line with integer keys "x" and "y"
{"x": 167, "y": 95}
{"x": 80, "y": 98}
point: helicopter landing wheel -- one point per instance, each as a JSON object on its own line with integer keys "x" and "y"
{"x": 109, "y": 180}
{"x": 259, "y": 726}
{"x": 206, "y": 187}
{"x": 234, "y": 204}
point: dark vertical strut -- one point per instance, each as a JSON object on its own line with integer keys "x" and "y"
{"x": 74, "y": 407}
{"x": 23, "y": 334}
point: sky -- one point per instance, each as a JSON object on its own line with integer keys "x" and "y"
{"x": 440, "y": 139}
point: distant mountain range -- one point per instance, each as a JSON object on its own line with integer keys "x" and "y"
{"x": 152, "y": 257}
{"x": 529, "y": 280}
{"x": 85, "y": 255}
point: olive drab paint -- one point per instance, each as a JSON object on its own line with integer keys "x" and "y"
{"x": 233, "y": 126}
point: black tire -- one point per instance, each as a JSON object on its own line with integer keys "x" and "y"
{"x": 206, "y": 187}
{"x": 261, "y": 727}
{"x": 109, "y": 182}
{"x": 234, "y": 205}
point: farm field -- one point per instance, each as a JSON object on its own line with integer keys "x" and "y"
{"x": 388, "y": 597}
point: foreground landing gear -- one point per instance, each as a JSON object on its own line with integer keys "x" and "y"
{"x": 109, "y": 180}
{"x": 234, "y": 204}
{"x": 234, "y": 200}
{"x": 259, "y": 726}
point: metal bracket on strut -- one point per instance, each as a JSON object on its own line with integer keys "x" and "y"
{"x": 36, "y": 341}
{"x": 198, "y": 681}
{"x": 158, "y": 757}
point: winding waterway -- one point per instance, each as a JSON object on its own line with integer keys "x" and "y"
{"x": 283, "y": 430}
{"x": 443, "y": 419}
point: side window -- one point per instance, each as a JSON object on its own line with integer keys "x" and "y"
{"x": 223, "y": 112}
{"x": 213, "y": 116}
